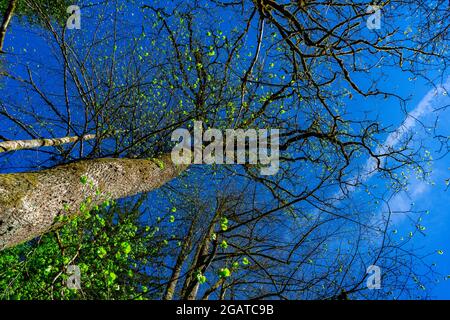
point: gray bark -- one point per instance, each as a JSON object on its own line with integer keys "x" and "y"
{"x": 6, "y": 20}
{"x": 191, "y": 285}
{"x": 182, "y": 256}
{"x": 31, "y": 202}
{"x": 14, "y": 145}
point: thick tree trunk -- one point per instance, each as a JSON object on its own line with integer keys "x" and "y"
{"x": 6, "y": 19}
{"x": 31, "y": 202}
{"x": 14, "y": 145}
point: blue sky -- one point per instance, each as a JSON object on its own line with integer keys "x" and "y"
{"x": 429, "y": 196}
{"x": 425, "y": 107}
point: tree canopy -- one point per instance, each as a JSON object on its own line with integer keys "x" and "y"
{"x": 138, "y": 70}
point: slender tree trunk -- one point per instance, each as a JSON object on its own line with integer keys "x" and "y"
{"x": 6, "y": 19}
{"x": 199, "y": 262}
{"x": 170, "y": 290}
{"x": 30, "y": 202}
{"x": 14, "y": 145}
{"x": 213, "y": 288}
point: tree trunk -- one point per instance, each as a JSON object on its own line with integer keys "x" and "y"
{"x": 14, "y": 145}
{"x": 31, "y": 202}
{"x": 182, "y": 256}
{"x": 213, "y": 288}
{"x": 6, "y": 19}
{"x": 199, "y": 262}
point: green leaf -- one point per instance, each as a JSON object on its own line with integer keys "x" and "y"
{"x": 224, "y": 244}
{"x": 224, "y": 272}
{"x": 126, "y": 247}
{"x": 224, "y": 224}
{"x": 200, "y": 278}
{"x": 111, "y": 277}
{"x": 101, "y": 252}
{"x": 83, "y": 179}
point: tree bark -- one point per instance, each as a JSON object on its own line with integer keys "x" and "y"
{"x": 182, "y": 256}
{"x": 213, "y": 288}
{"x": 6, "y": 19}
{"x": 199, "y": 262}
{"x": 31, "y": 202}
{"x": 14, "y": 145}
